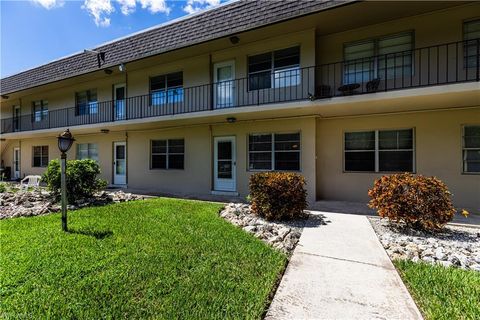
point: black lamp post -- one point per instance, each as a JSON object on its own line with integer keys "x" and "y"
{"x": 65, "y": 141}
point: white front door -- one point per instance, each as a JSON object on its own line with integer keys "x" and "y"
{"x": 224, "y": 78}
{"x": 16, "y": 163}
{"x": 225, "y": 164}
{"x": 119, "y": 95}
{"x": 120, "y": 163}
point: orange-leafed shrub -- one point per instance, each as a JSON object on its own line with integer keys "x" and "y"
{"x": 418, "y": 201}
{"x": 278, "y": 195}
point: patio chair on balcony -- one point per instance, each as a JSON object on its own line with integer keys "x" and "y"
{"x": 323, "y": 91}
{"x": 372, "y": 85}
{"x": 30, "y": 181}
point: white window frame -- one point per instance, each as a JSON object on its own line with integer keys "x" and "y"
{"x": 272, "y": 151}
{"x": 42, "y": 114}
{"x": 377, "y": 150}
{"x": 376, "y": 57}
{"x": 89, "y": 156}
{"x": 274, "y": 72}
{"x": 466, "y": 37}
{"x": 166, "y": 154}
{"x": 464, "y": 149}
{"x": 41, "y": 156}
{"x": 91, "y": 106}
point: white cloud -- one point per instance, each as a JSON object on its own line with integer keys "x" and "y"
{"x": 127, "y": 6}
{"x": 100, "y": 10}
{"x": 199, "y": 5}
{"x": 155, "y": 6}
{"x": 49, "y": 4}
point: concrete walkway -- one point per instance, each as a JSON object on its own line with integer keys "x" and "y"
{"x": 339, "y": 270}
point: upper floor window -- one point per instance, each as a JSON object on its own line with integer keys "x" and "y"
{"x": 87, "y": 151}
{"x": 167, "y": 154}
{"x": 379, "y": 151}
{"x": 40, "y": 110}
{"x": 86, "y": 102}
{"x": 40, "y": 156}
{"x": 385, "y": 58}
{"x": 471, "y": 149}
{"x": 279, "y": 151}
{"x": 471, "y": 36}
{"x": 276, "y": 69}
{"x": 166, "y": 88}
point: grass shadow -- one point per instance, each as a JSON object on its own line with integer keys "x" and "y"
{"x": 98, "y": 234}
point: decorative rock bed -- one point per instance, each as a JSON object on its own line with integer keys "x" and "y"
{"x": 40, "y": 202}
{"x": 453, "y": 246}
{"x": 279, "y": 234}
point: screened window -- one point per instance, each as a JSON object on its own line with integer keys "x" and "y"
{"x": 87, "y": 151}
{"x": 40, "y": 110}
{"x": 471, "y": 149}
{"x": 279, "y": 151}
{"x": 86, "y": 102}
{"x": 166, "y": 89}
{"x": 385, "y": 58}
{"x": 40, "y": 156}
{"x": 167, "y": 154}
{"x": 379, "y": 151}
{"x": 276, "y": 69}
{"x": 471, "y": 36}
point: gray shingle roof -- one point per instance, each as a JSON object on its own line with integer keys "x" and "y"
{"x": 220, "y": 22}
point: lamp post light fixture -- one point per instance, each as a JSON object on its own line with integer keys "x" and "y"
{"x": 65, "y": 141}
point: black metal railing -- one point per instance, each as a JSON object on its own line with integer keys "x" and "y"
{"x": 436, "y": 65}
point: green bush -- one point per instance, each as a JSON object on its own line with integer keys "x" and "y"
{"x": 82, "y": 181}
{"x": 418, "y": 201}
{"x": 278, "y": 195}
{"x": 3, "y": 187}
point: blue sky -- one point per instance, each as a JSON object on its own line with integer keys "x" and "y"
{"x": 34, "y": 32}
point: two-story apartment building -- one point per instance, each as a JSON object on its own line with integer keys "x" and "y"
{"x": 342, "y": 92}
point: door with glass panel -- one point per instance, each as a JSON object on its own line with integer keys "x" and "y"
{"x": 224, "y": 78}
{"x": 119, "y": 93}
{"x": 120, "y": 163}
{"x": 16, "y": 163}
{"x": 16, "y": 118}
{"x": 225, "y": 164}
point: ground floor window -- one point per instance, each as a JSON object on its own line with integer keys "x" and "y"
{"x": 40, "y": 156}
{"x": 471, "y": 149}
{"x": 87, "y": 151}
{"x": 379, "y": 151}
{"x": 167, "y": 154}
{"x": 274, "y": 151}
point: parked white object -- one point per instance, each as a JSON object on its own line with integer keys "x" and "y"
{"x": 30, "y": 181}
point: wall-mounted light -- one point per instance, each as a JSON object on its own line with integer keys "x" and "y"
{"x": 104, "y": 130}
{"x": 108, "y": 71}
{"x": 122, "y": 68}
{"x": 4, "y": 96}
{"x": 234, "y": 39}
{"x": 231, "y": 119}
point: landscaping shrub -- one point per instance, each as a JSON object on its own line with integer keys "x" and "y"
{"x": 420, "y": 202}
{"x": 278, "y": 195}
{"x": 3, "y": 187}
{"x": 82, "y": 181}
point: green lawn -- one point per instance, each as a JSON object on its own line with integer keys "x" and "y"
{"x": 442, "y": 293}
{"x": 161, "y": 258}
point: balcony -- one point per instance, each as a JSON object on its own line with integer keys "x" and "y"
{"x": 448, "y": 63}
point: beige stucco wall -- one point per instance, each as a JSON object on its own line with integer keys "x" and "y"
{"x": 438, "y": 152}
{"x": 196, "y": 178}
{"x": 103, "y": 141}
{"x": 443, "y": 26}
